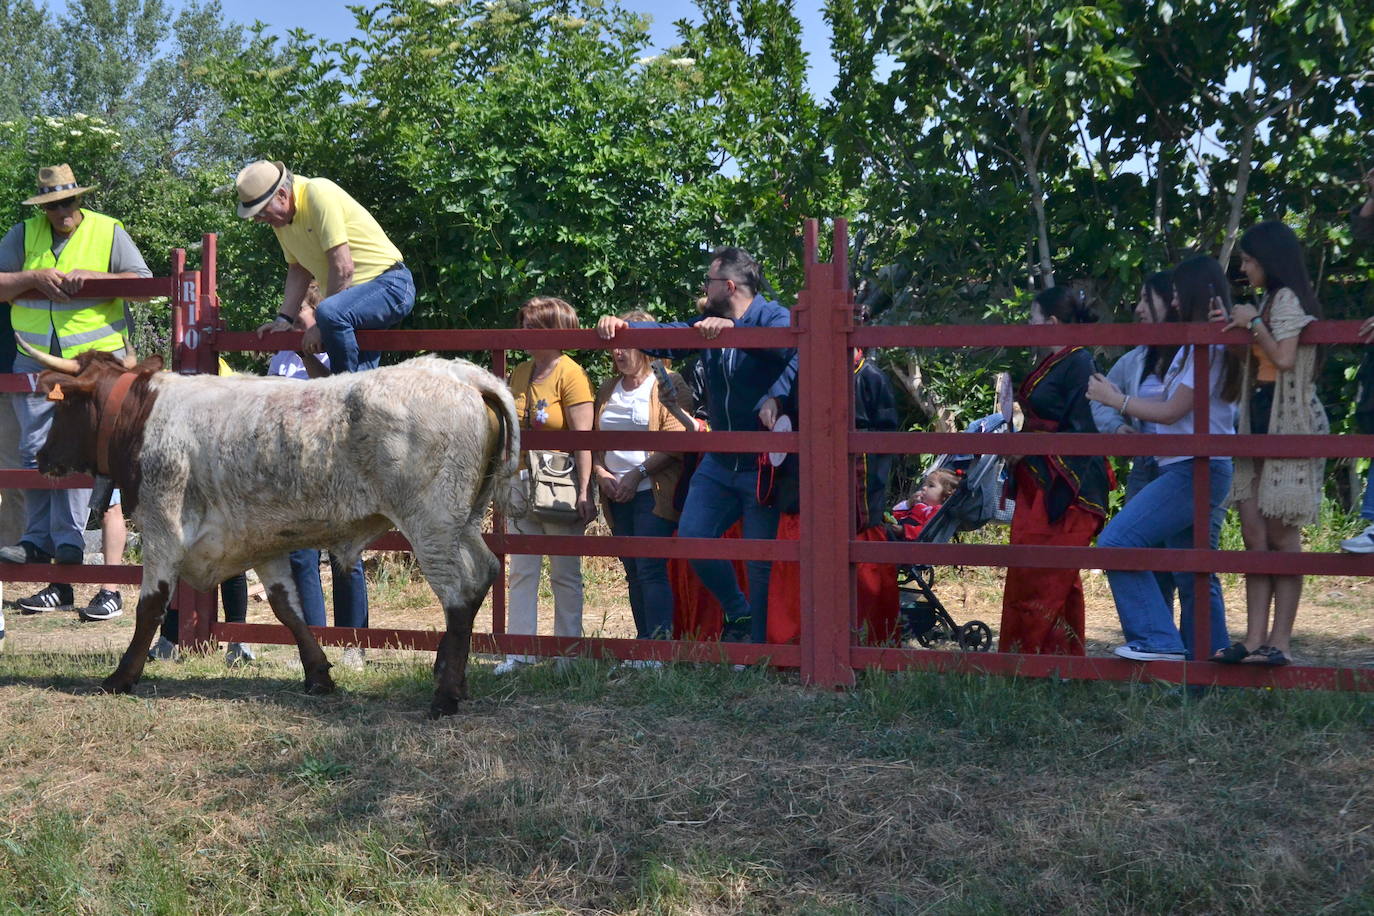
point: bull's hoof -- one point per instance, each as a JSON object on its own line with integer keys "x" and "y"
{"x": 319, "y": 684}
{"x": 443, "y": 705}
{"x": 115, "y": 685}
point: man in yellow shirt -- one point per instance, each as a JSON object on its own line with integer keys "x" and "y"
{"x": 329, "y": 237}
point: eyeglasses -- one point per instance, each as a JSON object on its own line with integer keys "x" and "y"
{"x": 715, "y": 279}
{"x": 70, "y": 203}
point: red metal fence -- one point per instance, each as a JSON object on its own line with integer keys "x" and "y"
{"x": 823, "y": 332}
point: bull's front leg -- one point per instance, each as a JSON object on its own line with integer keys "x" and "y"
{"x": 285, "y": 600}
{"x": 152, "y": 605}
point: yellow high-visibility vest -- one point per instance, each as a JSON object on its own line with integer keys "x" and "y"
{"x": 81, "y": 324}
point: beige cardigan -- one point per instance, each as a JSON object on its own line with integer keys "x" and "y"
{"x": 664, "y": 482}
{"x": 1287, "y": 489}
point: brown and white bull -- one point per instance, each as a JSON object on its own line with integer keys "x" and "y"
{"x": 226, "y": 473}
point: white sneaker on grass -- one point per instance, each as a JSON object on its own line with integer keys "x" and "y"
{"x": 238, "y": 654}
{"x": 512, "y": 664}
{"x": 1146, "y": 655}
{"x": 1360, "y": 543}
{"x": 164, "y": 650}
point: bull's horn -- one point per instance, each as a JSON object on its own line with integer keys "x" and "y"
{"x": 59, "y": 363}
{"x": 130, "y": 360}
{"x": 56, "y": 394}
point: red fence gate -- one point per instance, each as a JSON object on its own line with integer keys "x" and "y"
{"x": 824, "y": 334}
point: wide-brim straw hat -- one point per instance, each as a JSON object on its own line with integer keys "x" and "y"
{"x": 56, "y": 182}
{"x": 256, "y": 183}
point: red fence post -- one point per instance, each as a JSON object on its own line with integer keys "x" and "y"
{"x": 824, "y": 314}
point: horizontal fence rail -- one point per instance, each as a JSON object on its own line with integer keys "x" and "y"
{"x": 823, "y": 333}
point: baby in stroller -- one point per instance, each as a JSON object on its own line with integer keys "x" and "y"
{"x": 969, "y": 489}
{"x": 910, "y": 515}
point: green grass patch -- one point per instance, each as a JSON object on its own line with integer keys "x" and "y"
{"x": 690, "y": 789}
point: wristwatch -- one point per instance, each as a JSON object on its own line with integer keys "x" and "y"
{"x": 643, "y": 471}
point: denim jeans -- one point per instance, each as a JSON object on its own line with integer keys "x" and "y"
{"x": 1144, "y": 469}
{"x": 1161, "y": 515}
{"x": 718, "y": 497}
{"x": 1367, "y": 507}
{"x": 651, "y": 600}
{"x": 233, "y": 593}
{"x": 350, "y": 591}
{"x": 377, "y": 304}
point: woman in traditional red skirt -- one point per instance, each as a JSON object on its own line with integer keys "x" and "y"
{"x": 1059, "y": 500}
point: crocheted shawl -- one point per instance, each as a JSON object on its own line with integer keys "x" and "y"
{"x": 1288, "y": 489}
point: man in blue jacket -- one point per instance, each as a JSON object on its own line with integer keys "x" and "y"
{"x": 743, "y": 388}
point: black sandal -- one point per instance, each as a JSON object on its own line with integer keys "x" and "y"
{"x": 1233, "y": 654}
{"x": 1275, "y": 657}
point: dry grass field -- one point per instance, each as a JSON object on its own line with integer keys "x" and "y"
{"x": 690, "y": 790}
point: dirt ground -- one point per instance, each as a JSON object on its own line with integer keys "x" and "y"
{"x": 1335, "y": 621}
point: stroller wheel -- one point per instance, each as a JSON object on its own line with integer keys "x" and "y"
{"x": 938, "y": 635}
{"x": 975, "y": 636}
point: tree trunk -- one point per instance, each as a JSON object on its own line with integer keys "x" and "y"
{"x": 1247, "y": 150}
{"x": 913, "y": 380}
{"x": 1031, "y": 166}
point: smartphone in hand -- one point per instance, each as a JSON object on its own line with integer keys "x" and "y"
{"x": 1216, "y": 302}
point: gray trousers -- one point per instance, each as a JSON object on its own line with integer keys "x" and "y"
{"x": 13, "y": 514}
{"x": 56, "y": 518}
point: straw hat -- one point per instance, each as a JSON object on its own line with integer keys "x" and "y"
{"x": 256, "y": 184}
{"x": 56, "y": 182}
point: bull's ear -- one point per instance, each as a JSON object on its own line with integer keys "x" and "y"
{"x": 70, "y": 385}
{"x": 153, "y": 363}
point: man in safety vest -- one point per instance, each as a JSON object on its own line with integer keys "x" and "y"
{"x": 329, "y": 237}
{"x": 43, "y": 263}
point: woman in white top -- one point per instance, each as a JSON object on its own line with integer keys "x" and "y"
{"x": 1160, "y": 515}
{"x": 1139, "y": 373}
{"x": 637, "y": 486}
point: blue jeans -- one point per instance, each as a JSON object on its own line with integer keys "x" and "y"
{"x": 377, "y": 304}
{"x": 350, "y": 591}
{"x": 1367, "y": 507}
{"x": 651, "y": 600}
{"x": 1161, "y": 515}
{"x": 1144, "y": 469}
{"x": 718, "y": 497}
{"x": 233, "y": 593}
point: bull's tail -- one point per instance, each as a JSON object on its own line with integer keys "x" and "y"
{"x": 503, "y": 453}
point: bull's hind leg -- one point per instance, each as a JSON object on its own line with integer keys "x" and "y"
{"x": 285, "y": 600}
{"x": 460, "y": 575}
{"x": 152, "y": 604}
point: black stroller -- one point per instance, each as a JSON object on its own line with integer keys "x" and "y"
{"x": 977, "y": 501}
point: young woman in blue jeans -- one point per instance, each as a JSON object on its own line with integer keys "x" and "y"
{"x": 1157, "y": 516}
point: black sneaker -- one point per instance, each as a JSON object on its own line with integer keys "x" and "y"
{"x": 24, "y": 552}
{"x": 737, "y": 630}
{"x": 52, "y": 598}
{"x": 70, "y": 555}
{"x": 103, "y": 606}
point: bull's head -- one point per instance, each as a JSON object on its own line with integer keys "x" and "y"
{"x": 79, "y": 389}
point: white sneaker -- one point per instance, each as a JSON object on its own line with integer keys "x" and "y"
{"x": 353, "y": 659}
{"x": 164, "y": 650}
{"x": 511, "y": 664}
{"x": 1360, "y": 543}
{"x": 238, "y": 654}
{"x": 1144, "y": 655}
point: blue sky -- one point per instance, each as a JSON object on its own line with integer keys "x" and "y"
{"x": 333, "y": 20}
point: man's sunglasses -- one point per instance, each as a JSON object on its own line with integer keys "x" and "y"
{"x": 71, "y": 203}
